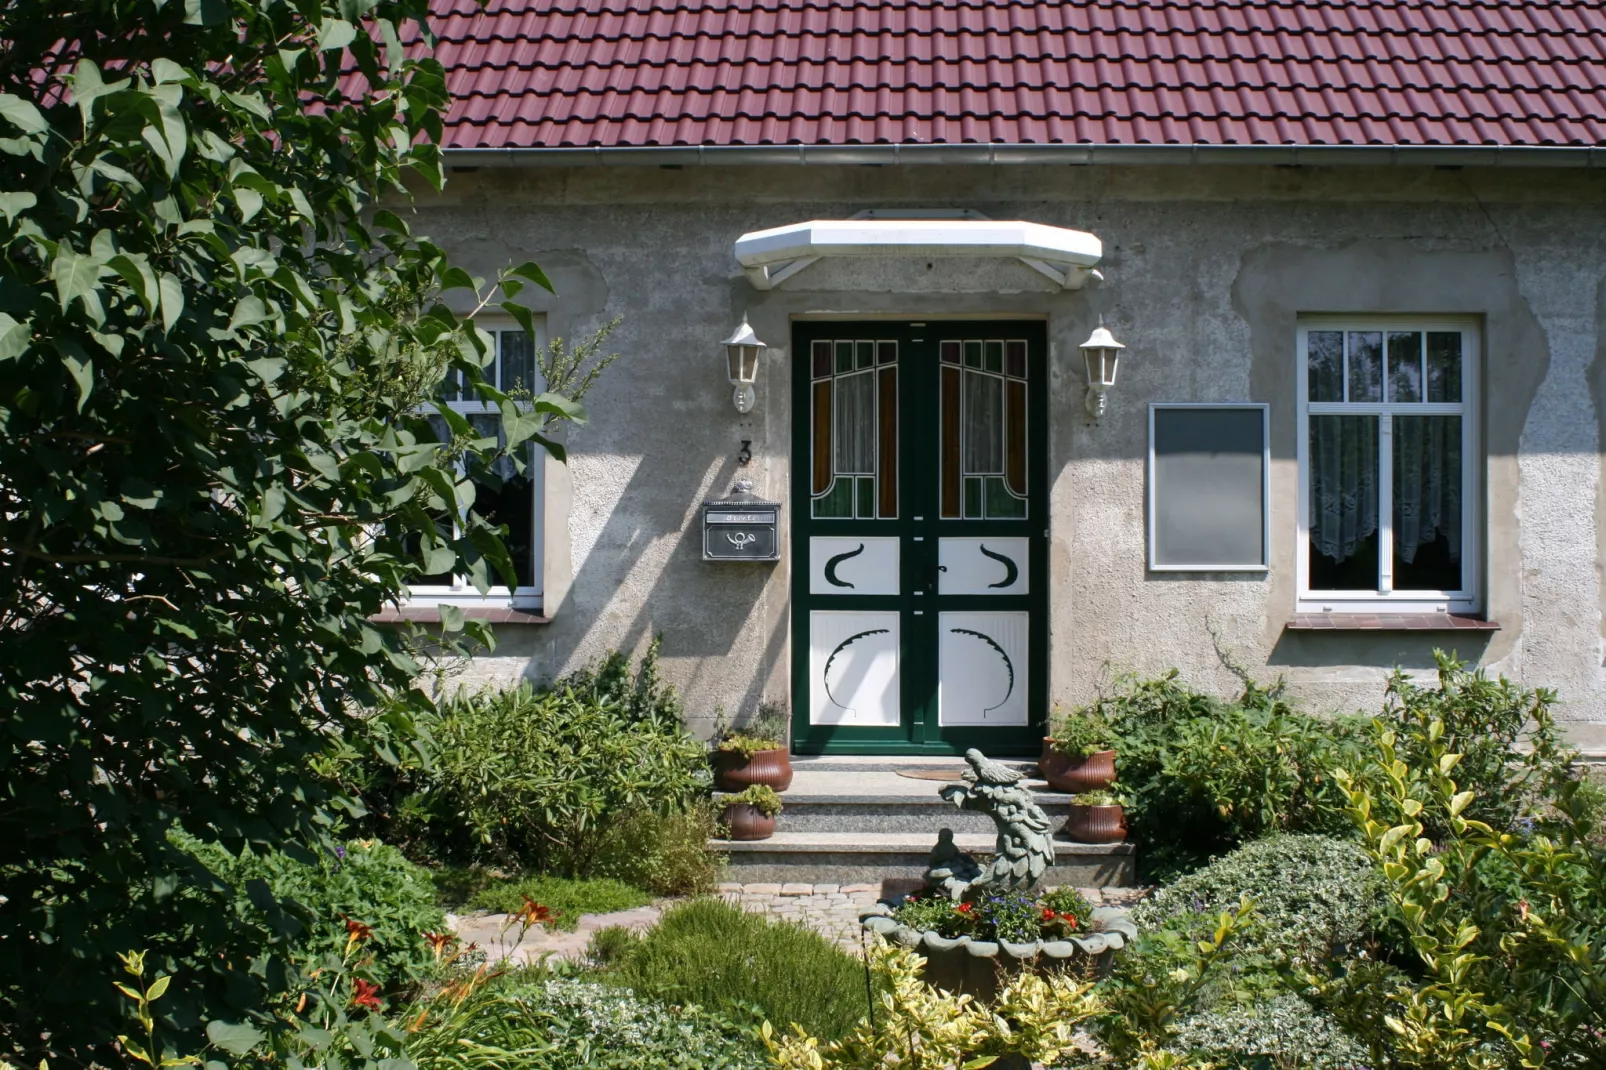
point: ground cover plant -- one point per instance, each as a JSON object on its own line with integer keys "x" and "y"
{"x": 531, "y": 1021}
{"x": 711, "y": 953}
{"x": 213, "y": 350}
{"x": 565, "y": 897}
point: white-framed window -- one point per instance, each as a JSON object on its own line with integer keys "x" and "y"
{"x": 1389, "y": 465}
{"x": 517, "y": 502}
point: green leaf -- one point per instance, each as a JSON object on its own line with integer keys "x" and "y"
{"x": 136, "y": 271}
{"x": 249, "y": 202}
{"x": 334, "y": 34}
{"x": 158, "y": 987}
{"x": 168, "y": 136}
{"x": 76, "y": 275}
{"x": 248, "y": 312}
{"x": 15, "y": 337}
{"x": 83, "y": 374}
{"x": 14, "y": 204}
{"x": 172, "y": 300}
{"x": 451, "y": 617}
{"x": 236, "y": 1038}
{"x": 532, "y": 271}
{"x": 23, "y": 115}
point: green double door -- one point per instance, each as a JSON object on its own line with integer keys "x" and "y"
{"x": 920, "y": 525}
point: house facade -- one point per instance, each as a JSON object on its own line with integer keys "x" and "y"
{"x": 1352, "y": 256}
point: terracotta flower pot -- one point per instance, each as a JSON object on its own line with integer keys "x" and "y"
{"x": 1096, "y": 824}
{"x": 1076, "y": 775}
{"x": 748, "y": 822}
{"x": 772, "y": 768}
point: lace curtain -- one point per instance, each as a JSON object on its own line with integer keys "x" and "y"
{"x": 1344, "y": 483}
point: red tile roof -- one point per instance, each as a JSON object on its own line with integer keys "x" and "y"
{"x": 614, "y": 73}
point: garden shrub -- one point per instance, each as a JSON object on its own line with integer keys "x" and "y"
{"x": 1313, "y": 895}
{"x": 1512, "y": 755}
{"x": 664, "y": 853}
{"x": 564, "y": 1023}
{"x": 1285, "y": 1031}
{"x": 1503, "y": 926}
{"x": 711, "y": 953}
{"x": 536, "y": 780}
{"x": 1203, "y": 775}
{"x": 366, "y": 883}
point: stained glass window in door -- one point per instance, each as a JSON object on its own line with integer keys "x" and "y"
{"x": 854, "y": 397}
{"x": 982, "y": 421}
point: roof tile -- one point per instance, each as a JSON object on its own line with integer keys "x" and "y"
{"x": 550, "y": 73}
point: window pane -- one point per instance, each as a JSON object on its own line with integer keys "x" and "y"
{"x": 950, "y": 352}
{"x": 844, "y": 356}
{"x": 1001, "y": 504}
{"x": 1365, "y": 366}
{"x": 512, "y": 504}
{"x": 1427, "y": 503}
{"x": 1016, "y": 359}
{"x": 984, "y": 424}
{"x": 950, "y": 438}
{"x": 838, "y": 503}
{"x": 995, "y": 356}
{"x": 1325, "y": 365}
{"x": 888, "y": 475}
{"x": 822, "y": 436}
{"x": 1444, "y": 365}
{"x": 866, "y": 352}
{"x": 855, "y": 424}
{"x": 517, "y": 362}
{"x": 1405, "y": 366}
{"x": 886, "y": 352}
{"x": 822, "y": 359}
{"x": 972, "y": 354}
{"x": 1343, "y": 503}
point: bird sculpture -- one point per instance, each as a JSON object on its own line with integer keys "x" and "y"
{"x": 1025, "y": 846}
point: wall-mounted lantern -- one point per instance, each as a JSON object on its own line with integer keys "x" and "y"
{"x": 742, "y": 350}
{"x": 1102, "y": 353}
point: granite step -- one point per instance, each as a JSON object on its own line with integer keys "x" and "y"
{"x": 850, "y": 857}
{"x": 881, "y": 801}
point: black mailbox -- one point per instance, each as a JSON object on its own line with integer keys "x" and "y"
{"x": 741, "y": 527}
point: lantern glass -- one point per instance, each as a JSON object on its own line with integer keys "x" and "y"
{"x": 743, "y": 361}
{"x": 1101, "y": 366}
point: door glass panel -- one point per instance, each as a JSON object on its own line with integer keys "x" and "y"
{"x": 854, "y": 430}
{"x": 984, "y": 423}
{"x": 1427, "y": 503}
{"x": 1343, "y": 503}
{"x": 950, "y": 435}
{"x": 983, "y": 429}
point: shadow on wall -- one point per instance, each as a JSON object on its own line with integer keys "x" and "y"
{"x": 627, "y": 590}
{"x": 1411, "y": 651}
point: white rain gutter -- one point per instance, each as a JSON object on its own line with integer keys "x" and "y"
{"x": 1042, "y": 155}
{"x": 770, "y": 257}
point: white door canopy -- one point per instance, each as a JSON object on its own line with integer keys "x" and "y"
{"x": 1068, "y": 257}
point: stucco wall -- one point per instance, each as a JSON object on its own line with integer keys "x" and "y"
{"x": 1206, "y": 270}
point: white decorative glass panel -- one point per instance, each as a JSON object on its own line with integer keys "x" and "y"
{"x": 982, "y": 669}
{"x": 855, "y": 424}
{"x": 853, "y": 565}
{"x": 982, "y": 566}
{"x": 853, "y": 668}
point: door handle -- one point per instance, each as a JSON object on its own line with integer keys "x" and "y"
{"x": 932, "y": 570}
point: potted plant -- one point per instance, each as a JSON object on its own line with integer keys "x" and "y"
{"x": 753, "y": 753}
{"x": 750, "y": 813}
{"x": 1077, "y": 757}
{"x": 1096, "y": 817}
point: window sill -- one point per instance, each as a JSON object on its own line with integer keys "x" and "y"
{"x": 1389, "y": 622}
{"x": 432, "y": 615}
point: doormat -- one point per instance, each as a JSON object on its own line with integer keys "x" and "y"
{"x": 954, "y": 775}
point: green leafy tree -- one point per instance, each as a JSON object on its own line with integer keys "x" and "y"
{"x": 213, "y": 344}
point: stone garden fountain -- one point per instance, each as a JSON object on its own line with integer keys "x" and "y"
{"x": 1025, "y": 851}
